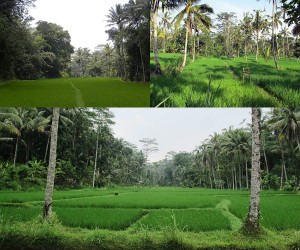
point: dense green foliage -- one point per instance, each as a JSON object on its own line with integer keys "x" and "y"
{"x": 28, "y": 53}
{"x": 74, "y": 92}
{"x": 224, "y": 160}
{"x": 128, "y": 58}
{"x": 45, "y": 51}
{"x": 144, "y": 228}
{"x": 219, "y": 51}
{"x": 217, "y": 82}
{"x": 24, "y": 146}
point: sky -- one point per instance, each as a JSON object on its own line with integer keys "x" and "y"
{"x": 85, "y": 20}
{"x": 175, "y": 129}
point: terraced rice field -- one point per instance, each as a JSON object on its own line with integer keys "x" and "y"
{"x": 74, "y": 92}
{"x": 157, "y": 209}
{"x": 217, "y": 82}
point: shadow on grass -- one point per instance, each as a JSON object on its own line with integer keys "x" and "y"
{"x": 164, "y": 87}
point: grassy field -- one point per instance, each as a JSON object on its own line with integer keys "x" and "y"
{"x": 74, "y": 92}
{"x": 160, "y": 216}
{"x": 217, "y": 82}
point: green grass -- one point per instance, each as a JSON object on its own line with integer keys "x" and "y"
{"x": 20, "y": 197}
{"x": 147, "y": 199}
{"x": 13, "y": 214}
{"x": 113, "y": 219}
{"x": 105, "y": 218}
{"x": 186, "y": 220}
{"x": 148, "y": 218}
{"x": 217, "y": 82}
{"x": 74, "y": 92}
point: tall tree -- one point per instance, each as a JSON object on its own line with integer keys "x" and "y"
{"x": 47, "y": 211}
{"x": 155, "y": 5}
{"x": 192, "y": 11}
{"x": 258, "y": 23}
{"x": 252, "y": 222}
{"x": 166, "y": 22}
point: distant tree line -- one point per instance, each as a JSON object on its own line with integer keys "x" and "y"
{"x": 46, "y": 51}
{"x": 86, "y": 149}
{"x": 88, "y": 154}
{"x": 27, "y": 53}
{"x": 193, "y": 31}
{"x": 223, "y": 161}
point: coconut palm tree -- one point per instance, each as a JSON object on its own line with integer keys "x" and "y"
{"x": 258, "y": 23}
{"x": 155, "y": 5}
{"x": 193, "y": 11}
{"x": 252, "y": 220}
{"x": 47, "y": 211}
{"x": 166, "y": 23}
{"x": 116, "y": 18}
{"x": 247, "y": 30}
{"x": 274, "y": 8}
{"x": 18, "y": 121}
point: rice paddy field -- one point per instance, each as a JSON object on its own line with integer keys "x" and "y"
{"x": 74, "y": 92}
{"x": 217, "y": 82}
{"x": 156, "y": 216}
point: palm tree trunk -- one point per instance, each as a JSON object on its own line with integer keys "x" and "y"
{"x": 252, "y": 221}
{"x": 273, "y": 35}
{"x": 143, "y": 66}
{"x": 247, "y": 181}
{"x": 47, "y": 211}
{"x": 194, "y": 50}
{"x": 257, "y": 38}
{"x": 157, "y": 67}
{"x": 96, "y": 157}
{"x": 16, "y": 151}
{"x": 185, "y": 46}
{"x": 246, "y": 50}
{"x": 164, "y": 39}
{"x": 47, "y": 146}
{"x": 266, "y": 161}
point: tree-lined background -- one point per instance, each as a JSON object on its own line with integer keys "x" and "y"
{"x": 188, "y": 26}
{"x": 87, "y": 149}
{"x": 45, "y": 51}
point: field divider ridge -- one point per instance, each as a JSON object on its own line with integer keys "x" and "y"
{"x": 78, "y": 96}
{"x": 236, "y": 223}
{"x": 73, "y": 198}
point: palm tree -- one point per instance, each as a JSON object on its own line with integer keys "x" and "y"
{"x": 193, "y": 11}
{"x": 274, "y": 7}
{"x": 166, "y": 23}
{"x": 258, "y": 23}
{"x": 133, "y": 15}
{"x": 247, "y": 30}
{"x": 155, "y": 5}
{"x": 18, "y": 121}
{"x": 116, "y": 18}
{"x": 47, "y": 211}
{"x": 252, "y": 220}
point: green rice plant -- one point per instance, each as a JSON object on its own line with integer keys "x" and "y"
{"x": 13, "y": 214}
{"x": 150, "y": 200}
{"x": 21, "y": 197}
{"x": 195, "y": 220}
{"x": 74, "y": 92}
{"x": 191, "y": 87}
{"x": 105, "y": 218}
